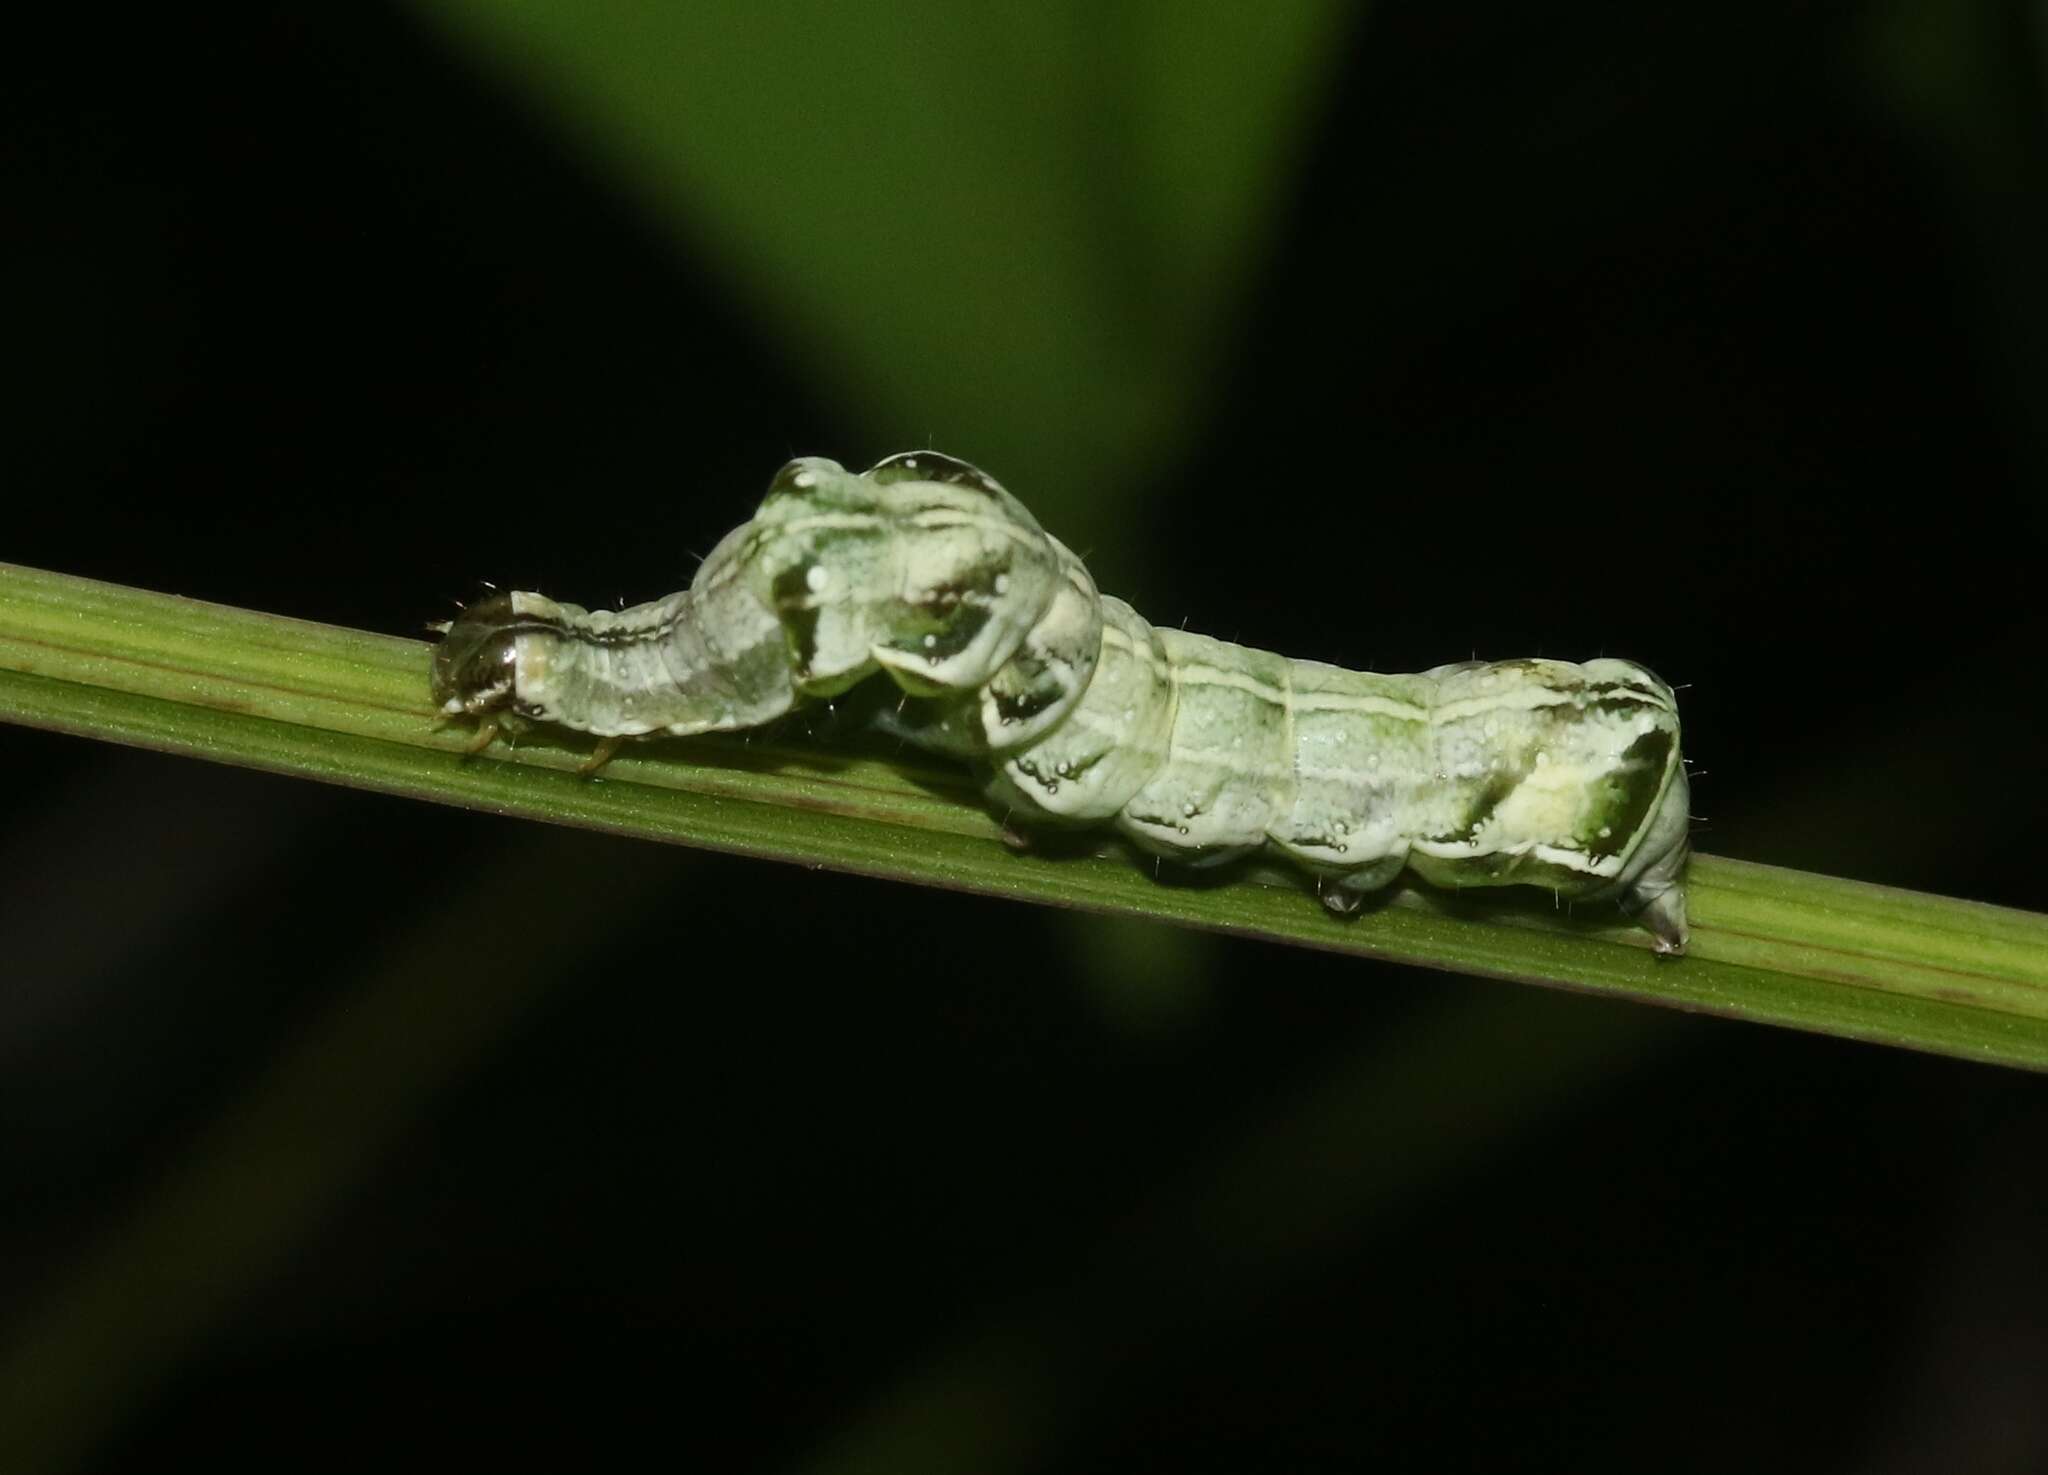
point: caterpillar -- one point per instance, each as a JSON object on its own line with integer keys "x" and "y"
{"x": 1078, "y": 712}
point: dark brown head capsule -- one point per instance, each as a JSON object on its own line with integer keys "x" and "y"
{"x": 473, "y": 664}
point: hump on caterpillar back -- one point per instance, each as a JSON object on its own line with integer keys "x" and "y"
{"x": 971, "y": 573}
{"x": 935, "y": 466}
{"x": 901, "y": 474}
{"x": 813, "y": 484}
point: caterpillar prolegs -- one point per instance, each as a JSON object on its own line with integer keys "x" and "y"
{"x": 1079, "y": 712}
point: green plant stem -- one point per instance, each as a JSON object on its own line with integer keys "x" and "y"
{"x": 1782, "y": 947}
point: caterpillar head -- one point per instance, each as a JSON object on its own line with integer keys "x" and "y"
{"x": 476, "y": 661}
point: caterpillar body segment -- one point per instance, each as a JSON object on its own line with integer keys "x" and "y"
{"x": 1080, "y": 712}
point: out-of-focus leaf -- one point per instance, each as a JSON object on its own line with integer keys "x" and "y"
{"x": 1010, "y": 231}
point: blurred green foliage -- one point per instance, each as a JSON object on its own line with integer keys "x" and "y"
{"x": 1015, "y": 228}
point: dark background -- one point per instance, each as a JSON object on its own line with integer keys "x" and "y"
{"x": 1714, "y": 342}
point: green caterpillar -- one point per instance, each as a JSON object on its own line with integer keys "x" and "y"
{"x": 1079, "y": 712}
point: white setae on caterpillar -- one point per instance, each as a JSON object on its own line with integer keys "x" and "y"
{"x": 1079, "y": 712}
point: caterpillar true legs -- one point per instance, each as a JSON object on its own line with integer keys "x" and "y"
{"x": 1080, "y": 712}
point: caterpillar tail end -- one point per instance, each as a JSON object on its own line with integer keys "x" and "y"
{"x": 1664, "y": 919}
{"x": 1656, "y": 899}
